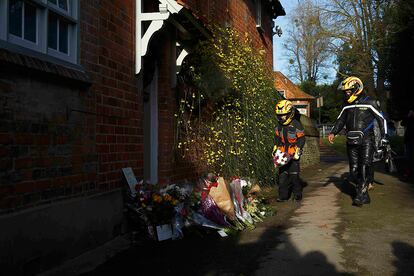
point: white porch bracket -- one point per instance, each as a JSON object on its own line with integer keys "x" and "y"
{"x": 166, "y": 7}
{"x": 180, "y": 58}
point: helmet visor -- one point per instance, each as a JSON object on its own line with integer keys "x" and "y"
{"x": 282, "y": 118}
{"x": 349, "y": 92}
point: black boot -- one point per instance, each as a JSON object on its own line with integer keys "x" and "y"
{"x": 298, "y": 197}
{"x": 365, "y": 198}
{"x": 358, "y": 200}
{"x": 362, "y": 196}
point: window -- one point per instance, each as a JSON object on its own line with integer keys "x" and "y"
{"x": 46, "y": 26}
{"x": 282, "y": 93}
{"x": 23, "y": 24}
{"x": 302, "y": 108}
{"x": 22, "y": 20}
{"x": 259, "y": 25}
{"x": 57, "y": 34}
{"x": 60, "y": 4}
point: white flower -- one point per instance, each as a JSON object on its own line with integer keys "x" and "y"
{"x": 244, "y": 183}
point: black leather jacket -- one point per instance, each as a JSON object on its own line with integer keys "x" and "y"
{"x": 361, "y": 116}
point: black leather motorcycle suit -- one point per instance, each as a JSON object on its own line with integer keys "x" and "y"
{"x": 359, "y": 118}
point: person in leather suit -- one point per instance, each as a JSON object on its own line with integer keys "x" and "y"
{"x": 359, "y": 115}
{"x": 289, "y": 139}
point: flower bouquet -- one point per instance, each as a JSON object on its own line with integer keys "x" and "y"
{"x": 254, "y": 204}
{"x": 208, "y": 206}
{"x": 281, "y": 158}
{"x": 239, "y": 202}
{"x": 157, "y": 208}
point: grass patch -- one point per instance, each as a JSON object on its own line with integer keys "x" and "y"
{"x": 339, "y": 144}
{"x": 396, "y": 142}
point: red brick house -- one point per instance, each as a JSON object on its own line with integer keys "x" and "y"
{"x": 292, "y": 92}
{"x": 83, "y": 94}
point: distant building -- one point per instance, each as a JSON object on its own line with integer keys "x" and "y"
{"x": 288, "y": 90}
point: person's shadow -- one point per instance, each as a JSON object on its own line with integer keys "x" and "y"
{"x": 404, "y": 254}
{"x": 343, "y": 183}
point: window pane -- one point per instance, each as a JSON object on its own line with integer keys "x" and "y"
{"x": 29, "y": 22}
{"x": 63, "y": 37}
{"x": 15, "y": 17}
{"x": 52, "y": 31}
{"x": 63, "y": 4}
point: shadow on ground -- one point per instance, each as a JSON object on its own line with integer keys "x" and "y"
{"x": 405, "y": 258}
{"x": 346, "y": 186}
{"x": 212, "y": 255}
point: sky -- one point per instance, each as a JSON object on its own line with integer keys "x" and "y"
{"x": 280, "y": 62}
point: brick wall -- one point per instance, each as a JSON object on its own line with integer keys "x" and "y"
{"x": 47, "y": 151}
{"x": 242, "y": 13}
{"x": 239, "y": 14}
{"x": 60, "y": 138}
{"x": 311, "y": 154}
{"x": 107, "y": 52}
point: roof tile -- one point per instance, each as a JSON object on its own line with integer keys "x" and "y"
{"x": 292, "y": 91}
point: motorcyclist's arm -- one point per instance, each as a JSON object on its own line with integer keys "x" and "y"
{"x": 340, "y": 122}
{"x": 300, "y": 134}
{"x": 277, "y": 141}
{"x": 382, "y": 122}
{"x": 301, "y": 139}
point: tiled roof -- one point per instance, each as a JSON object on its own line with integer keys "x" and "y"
{"x": 292, "y": 91}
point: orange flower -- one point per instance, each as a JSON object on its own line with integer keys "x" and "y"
{"x": 156, "y": 198}
{"x": 167, "y": 197}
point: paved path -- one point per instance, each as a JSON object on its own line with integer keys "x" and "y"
{"x": 378, "y": 239}
{"x": 310, "y": 245}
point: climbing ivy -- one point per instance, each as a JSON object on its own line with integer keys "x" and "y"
{"x": 226, "y": 110}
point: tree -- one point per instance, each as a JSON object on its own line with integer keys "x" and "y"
{"x": 332, "y": 100}
{"x": 307, "y": 44}
{"x": 362, "y": 38}
{"x": 401, "y": 58}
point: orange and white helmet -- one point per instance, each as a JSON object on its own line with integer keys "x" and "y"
{"x": 285, "y": 111}
{"x": 352, "y": 87}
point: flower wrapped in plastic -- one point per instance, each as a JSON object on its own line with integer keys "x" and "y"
{"x": 189, "y": 203}
{"x": 204, "y": 204}
{"x": 281, "y": 158}
{"x": 209, "y": 209}
{"x": 238, "y": 201}
{"x": 221, "y": 194}
{"x": 195, "y": 209}
{"x": 250, "y": 191}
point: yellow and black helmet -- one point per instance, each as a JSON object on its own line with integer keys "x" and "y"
{"x": 352, "y": 87}
{"x": 285, "y": 111}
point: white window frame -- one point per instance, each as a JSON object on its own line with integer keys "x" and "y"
{"x": 43, "y": 8}
{"x": 24, "y": 42}
{"x": 56, "y": 7}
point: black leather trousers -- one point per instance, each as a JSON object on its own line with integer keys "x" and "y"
{"x": 360, "y": 162}
{"x": 289, "y": 180}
